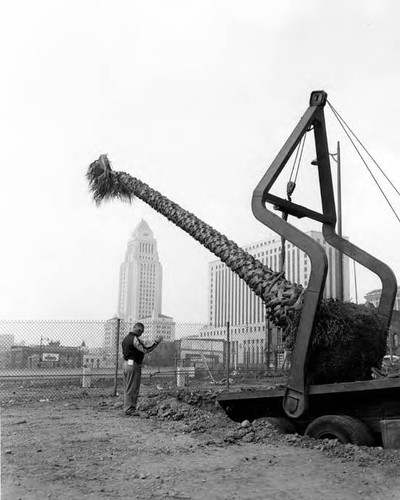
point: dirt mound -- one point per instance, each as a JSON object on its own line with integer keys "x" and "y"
{"x": 198, "y": 412}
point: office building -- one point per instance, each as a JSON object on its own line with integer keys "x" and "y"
{"x": 140, "y": 284}
{"x": 154, "y": 326}
{"x": 140, "y": 288}
{"x": 230, "y": 298}
{"x": 375, "y": 295}
{"x": 6, "y": 341}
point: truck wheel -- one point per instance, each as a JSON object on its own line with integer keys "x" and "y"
{"x": 282, "y": 425}
{"x": 341, "y": 427}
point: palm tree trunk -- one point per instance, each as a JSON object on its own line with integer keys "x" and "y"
{"x": 281, "y": 297}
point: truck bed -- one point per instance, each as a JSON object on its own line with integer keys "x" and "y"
{"x": 370, "y": 401}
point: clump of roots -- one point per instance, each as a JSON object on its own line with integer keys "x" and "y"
{"x": 348, "y": 340}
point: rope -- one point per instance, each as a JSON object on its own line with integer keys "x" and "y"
{"x": 295, "y": 160}
{"x": 338, "y": 117}
{"x": 301, "y": 154}
{"x": 300, "y": 148}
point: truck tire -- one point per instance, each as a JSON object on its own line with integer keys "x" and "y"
{"x": 341, "y": 427}
{"x": 282, "y": 425}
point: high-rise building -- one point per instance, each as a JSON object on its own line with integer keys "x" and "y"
{"x": 140, "y": 284}
{"x": 140, "y": 287}
{"x": 230, "y": 299}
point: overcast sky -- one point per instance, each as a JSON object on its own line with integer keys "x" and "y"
{"x": 194, "y": 98}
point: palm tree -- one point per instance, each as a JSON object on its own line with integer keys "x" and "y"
{"x": 282, "y": 299}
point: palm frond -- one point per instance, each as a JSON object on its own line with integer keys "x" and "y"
{"x": 105, "y": 184}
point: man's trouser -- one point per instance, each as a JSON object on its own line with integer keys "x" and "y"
{"x": 132, "y": 378}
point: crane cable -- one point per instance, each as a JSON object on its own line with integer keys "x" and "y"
{"x": 343, "y": 124}
{"x": 291, "y": 185}
{"x": 300, "y": 149}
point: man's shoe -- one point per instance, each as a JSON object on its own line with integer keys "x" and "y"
{"x": 132, "y": 413}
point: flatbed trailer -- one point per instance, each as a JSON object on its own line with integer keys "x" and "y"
{"x": 370, "y": 402}
{"x": 356, "y": 412}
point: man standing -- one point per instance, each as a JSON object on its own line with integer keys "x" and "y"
{"x": 133, "y": 351}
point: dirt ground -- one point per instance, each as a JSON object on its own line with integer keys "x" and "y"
{"x": 181, "y": 447}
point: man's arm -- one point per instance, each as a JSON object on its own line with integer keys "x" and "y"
{"x": 141, "y": 346}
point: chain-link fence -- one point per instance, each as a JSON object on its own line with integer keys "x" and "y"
{"x": 60, "y": 358}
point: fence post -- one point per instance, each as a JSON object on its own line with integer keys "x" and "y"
{"x": 177, "y": 361}
{"x": 86, "y": 376}
{"x": 116, "y": 357}
{"x": 269, "y": 335}
{"x": 228, "y": 354}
